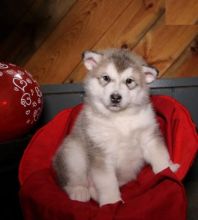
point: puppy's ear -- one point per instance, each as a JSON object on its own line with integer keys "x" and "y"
{"x": 150, "y": 72}
{"x": 91, "y": 59}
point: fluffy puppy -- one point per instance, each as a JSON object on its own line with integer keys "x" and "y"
{"x": 115, "y": 134}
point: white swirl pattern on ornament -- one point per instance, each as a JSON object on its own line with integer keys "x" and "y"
{"x": 39, "y": 100}
{"x": 20, "y": 83}
{"x": 3, "y": 66}
{"x": 36, "y": 114}
{"x": 26, "y": 99}
{"x": 34, "y": 104}
{"x": 27, "y": 112}
{"x": 29, "y": 81}
{"x": 38, "y": 92}
{"x": 12, "y": 73}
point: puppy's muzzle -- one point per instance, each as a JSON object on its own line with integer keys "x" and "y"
{"x": 115, "y": 98}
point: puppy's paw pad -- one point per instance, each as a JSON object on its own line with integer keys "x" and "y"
{"x": 174, "y": 167}
{"x": 78, "y": 193}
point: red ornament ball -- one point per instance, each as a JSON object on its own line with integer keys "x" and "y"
{"x": 21, "y": 102}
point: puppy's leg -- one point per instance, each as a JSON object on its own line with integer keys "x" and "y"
{"x": 92, "y": 189}
{"x": 106, "y": 185}
{"x": 156, "y": 154}
{"x": 71, "y": 167}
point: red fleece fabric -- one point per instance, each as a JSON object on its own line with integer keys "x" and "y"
{"x": 150, "y": 197}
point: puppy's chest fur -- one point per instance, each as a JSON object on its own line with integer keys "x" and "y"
{"x": 118, "y": 138}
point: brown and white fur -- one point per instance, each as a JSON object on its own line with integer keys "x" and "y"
{"x": 115, "y": 134}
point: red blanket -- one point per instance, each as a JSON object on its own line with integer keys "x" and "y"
{"x": 150, "y": 197}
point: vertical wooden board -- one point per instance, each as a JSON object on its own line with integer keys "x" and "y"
{"x": 128, "y": 29}
{"x": 163, "y": 44}
{"x": 181, "y": 12}
{"x": 35, "y": 25}
{"x": 187, "y": 63}
{"x": 80, "y": 29}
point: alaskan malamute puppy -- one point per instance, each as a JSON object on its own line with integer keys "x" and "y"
{"x": 115, "y": 134}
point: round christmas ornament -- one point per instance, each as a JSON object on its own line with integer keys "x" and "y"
{"x": 20, "y": 102}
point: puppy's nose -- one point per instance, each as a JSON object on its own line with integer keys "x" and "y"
{"x": 116, "y": 98}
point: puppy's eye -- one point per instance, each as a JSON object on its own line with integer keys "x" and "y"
{"x": 129, "y": 81}
{"x": 106, "y": 78}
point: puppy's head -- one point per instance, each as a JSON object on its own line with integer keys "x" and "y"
{"x": 117, "y": 79}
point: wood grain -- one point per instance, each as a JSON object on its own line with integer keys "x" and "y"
{"x": 85, "y": 23}
{"x": 163, "y": 44}
{"x": 48, "y": 37}
{"x": 40, "y": 19}
{"x": 127, "y": 30}
{"x": 186, "y": 65}
{"x": 181, "y": 12}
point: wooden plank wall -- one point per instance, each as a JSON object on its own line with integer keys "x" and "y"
{"x": 50, "y": 36}
{"x": 26, "y": 25}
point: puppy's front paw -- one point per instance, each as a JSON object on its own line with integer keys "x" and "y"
{"x": 78, "y": 193}
{"x": 93, "y": 193}
{"x": 109, "y": 200}
{"x": 174, "y": 167}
